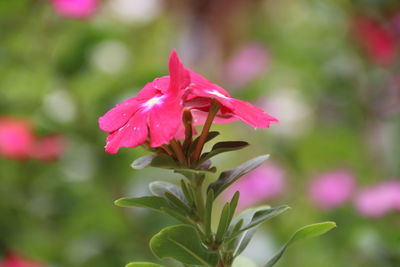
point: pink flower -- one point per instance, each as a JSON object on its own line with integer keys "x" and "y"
{"x": 48, "y": 148}
{"x": 266, "y": 182}
{"x": 332, "y": 189}
{"x": 202, "y": 91}
{"x": 379, "y": 200}
{"x": 378, "y": 41}
{"x": 250, "y": 62}
{"x": 155, "y": 113}
{"x": 14, "y": 260}
{"x": 75, "y": 8}
{"x": 16, "y": 138}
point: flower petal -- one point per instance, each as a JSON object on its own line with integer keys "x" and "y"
{"x": 199, "y": 82}
{"x": 179, "y": 75}
{"x": 252, "y": 115}
{"x": 149, "y": 90}
{"x": 119, "y": 115}
{"x": 132, "y": 134}
{"x": 164, "y": 121}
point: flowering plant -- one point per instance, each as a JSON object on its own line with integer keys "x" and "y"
{"x": 161, "y": 118}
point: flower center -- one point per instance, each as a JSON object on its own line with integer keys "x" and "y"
{"x": 153, "y": 101}
{"x": 215, "y": 92}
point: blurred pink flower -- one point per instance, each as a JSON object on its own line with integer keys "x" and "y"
{"x": 15, "y": 260}
{"x": 379, "y": 200}
{"x": 264, "y": 183}
{"x": 75, "y": 8}
{"x": 332, "y": 189}
{"x": 247, "y": 64}
{"x": 378, "y": 41}
{"x": 395, "y": 23}
{"x": 16, "y": 138}
{"x": 48, "y": 148}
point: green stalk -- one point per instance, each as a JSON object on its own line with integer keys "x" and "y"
{"x": 177, "y": 147}
{"x": 206, "y": 128}
{"x": 197, "y": 184}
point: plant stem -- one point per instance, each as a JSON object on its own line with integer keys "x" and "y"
{"x": 214, "y": 107}
{"x": 177, "y": 147}
{"x": 200, "y": 204}
{"x": 187, "y": 121}
{"x": 167, "y": 149}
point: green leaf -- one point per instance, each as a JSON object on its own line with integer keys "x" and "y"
{"x": 223, "y": 225}
{"x": 262, "y": 215}
{"x": 164, "y": 161}
{"x": 143, "y": 162}
{"x": 142, "y": 264}
{"x": 211, "y": 135}
{"x": 187, "y": 192}
{"x": 229, "y": 177}
{"x": 150, "y": 202}
{"x": 209, "y": 207}
{"x": 175, "y": 213}
{"x": 233, "y": 204}
{"x": 182, "y": 242}
{"x": 190, "y": 173}
{"x": 251, "y": 218}
{"x": 308, "y": 231}
{"x": 222, "y": 147}
{"x": 159, "y": 188}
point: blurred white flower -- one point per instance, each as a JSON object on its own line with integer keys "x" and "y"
{"x": 136, "y": 11}
{"x": 110, "y": 56}
{"x": 84, "y": 248}
{"x": 60, "y": 106}
{"x": 289, "y": 107}
{"x": 260, "y": 249}
{"x": 79, "y": 163}
{"x": 241, "y": 261}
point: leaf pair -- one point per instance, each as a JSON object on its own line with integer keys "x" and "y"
{"x": 245, "y": 225}
{"x": 168, "y": 198}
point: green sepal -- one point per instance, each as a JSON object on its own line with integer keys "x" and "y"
{"x": 308, "y": 231}
{"x": 228, "y": 177}
{"x": 182, "y": 243}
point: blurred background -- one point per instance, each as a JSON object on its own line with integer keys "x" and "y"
{"x": 329, "y": 70}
